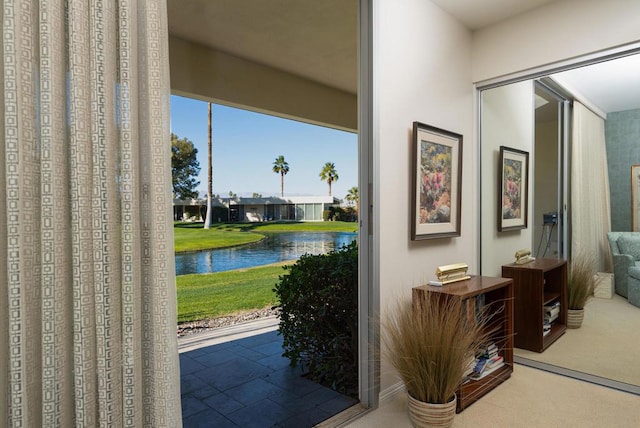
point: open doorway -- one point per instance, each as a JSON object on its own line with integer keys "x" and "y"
{"x": 244, "y": 54}
{"x": 233, "y": 367}
{"x": 550, "y": 143}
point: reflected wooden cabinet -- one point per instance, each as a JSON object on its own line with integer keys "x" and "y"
{"x": 536, "y": 285}
{"x": 496, "y": 295}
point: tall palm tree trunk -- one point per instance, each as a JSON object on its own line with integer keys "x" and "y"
{"x": 208, "y": 219}
{"x": 282, "y": 184}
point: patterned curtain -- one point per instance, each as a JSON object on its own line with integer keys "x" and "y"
{"x": 87, "y": 288}
{"x": 590, "y": 212}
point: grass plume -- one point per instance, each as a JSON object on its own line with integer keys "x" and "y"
{"x": 580, "y": 280}
{"x": 430, "y": 347}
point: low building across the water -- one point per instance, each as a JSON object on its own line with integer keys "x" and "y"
{"x": 294, "y": 208}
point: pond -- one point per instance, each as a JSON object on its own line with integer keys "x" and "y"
{"x": 276, "y": 247}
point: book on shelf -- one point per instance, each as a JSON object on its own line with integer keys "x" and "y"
{"x": 474, "y": 308}
{"x": 551, "y": 318}
{"x": 487, "y": 361}
{"x": 552, "y": 308}
{"x": 546, "y": 328}
{"x": 555, "y": 304}
{"x": 487, "y": 371}
{"x": 551, "y": 313}
{"x": 481, "y": 365}
{"x": 488, "y": 350}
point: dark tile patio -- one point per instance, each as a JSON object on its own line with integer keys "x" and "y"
{"x": 247, "y": 383}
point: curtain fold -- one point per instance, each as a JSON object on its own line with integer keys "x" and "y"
{"x": 87, "y": 276}
{"x": 590, "y": 208}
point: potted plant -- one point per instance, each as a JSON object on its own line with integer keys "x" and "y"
{"x": 431, "y": 348}
{"x": 580, "y": 286}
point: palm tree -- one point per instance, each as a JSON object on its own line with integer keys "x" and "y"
{"x": 352, "y": 196}
{"x": 329, "y": 174}
{"x": 281, "y": 167}
{"x": 208, "y": 220}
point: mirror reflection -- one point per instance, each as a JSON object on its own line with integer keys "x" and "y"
{"x": 581, "y": 128}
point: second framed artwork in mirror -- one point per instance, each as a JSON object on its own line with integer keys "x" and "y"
{"x": 513, "y": 188}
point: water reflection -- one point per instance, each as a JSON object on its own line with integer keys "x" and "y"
{"x": 276, "y": 247}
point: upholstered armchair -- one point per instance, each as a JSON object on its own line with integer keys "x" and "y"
{"x": 625, "y": 249}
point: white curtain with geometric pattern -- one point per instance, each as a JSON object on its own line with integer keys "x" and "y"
{"x": 87, "y": 276}
{"x": 590, "y": 207}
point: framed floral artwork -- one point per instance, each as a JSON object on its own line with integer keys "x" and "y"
{"x": 437, "y": 182}
{"x": 513, "y": 189}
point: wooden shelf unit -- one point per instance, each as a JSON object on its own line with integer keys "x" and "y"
{"x": 498, "y": 298}
{"x": 535, "y": 285}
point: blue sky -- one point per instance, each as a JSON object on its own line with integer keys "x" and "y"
{"x": 245, "y": 145}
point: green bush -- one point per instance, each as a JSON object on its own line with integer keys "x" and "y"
{"x": 318, "y": 303}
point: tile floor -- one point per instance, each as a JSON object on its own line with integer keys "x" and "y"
{"x": 247, "y": 383}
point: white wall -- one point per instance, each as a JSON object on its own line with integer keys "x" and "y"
{"x": 423, "y": 73}
{"x": 507, "y": 120}
{"x": 555, "y": 32}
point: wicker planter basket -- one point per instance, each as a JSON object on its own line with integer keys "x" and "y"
{"x": 574, "y": 318}
{"x": 425, "y": 415}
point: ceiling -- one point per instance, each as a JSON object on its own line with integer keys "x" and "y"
{"x": 309, "y": 38}
{"x": 477, "y": 14}
{"x": 611, "y": 85}
{"x": 317, "y": 40}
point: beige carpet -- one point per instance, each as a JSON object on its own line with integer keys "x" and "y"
{"x": 607, "y": 344}
{"x": 531, "y": 398}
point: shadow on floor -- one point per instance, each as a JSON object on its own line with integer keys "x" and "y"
{"x": 247, "y": 383}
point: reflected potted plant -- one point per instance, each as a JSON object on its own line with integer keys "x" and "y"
{"x": 431, "y": 348}
{"x": 580, "y": 286}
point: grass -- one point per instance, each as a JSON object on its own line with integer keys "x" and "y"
{"x": 212, "y": 295}
{"x": 321, "y": 226}
{"x": 430, "y": 347}
{"x": 580, "y": 280}
{"x": 193, "y": 237}
{"x": 281, "y": 226}
{"x": 202, "y": 296}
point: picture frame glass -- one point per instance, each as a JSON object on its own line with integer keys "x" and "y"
{"x": 513, "y": 189}
{"x": 437, "y": 185}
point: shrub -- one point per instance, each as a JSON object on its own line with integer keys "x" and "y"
{"x": 318, "y": 305}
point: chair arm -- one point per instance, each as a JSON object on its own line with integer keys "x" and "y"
{"x": 621, "y": 265}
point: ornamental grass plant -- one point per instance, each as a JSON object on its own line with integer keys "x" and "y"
{"x": 431, "y": 347}
{"x": 580, "y": 280}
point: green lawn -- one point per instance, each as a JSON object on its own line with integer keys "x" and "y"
{"x": 321, "y": 226}
{"x": 280, "y": 226}
{"x": 202, "y": 296}
{"x": 193, "y": 237}
{"x": 218, "y": 294}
